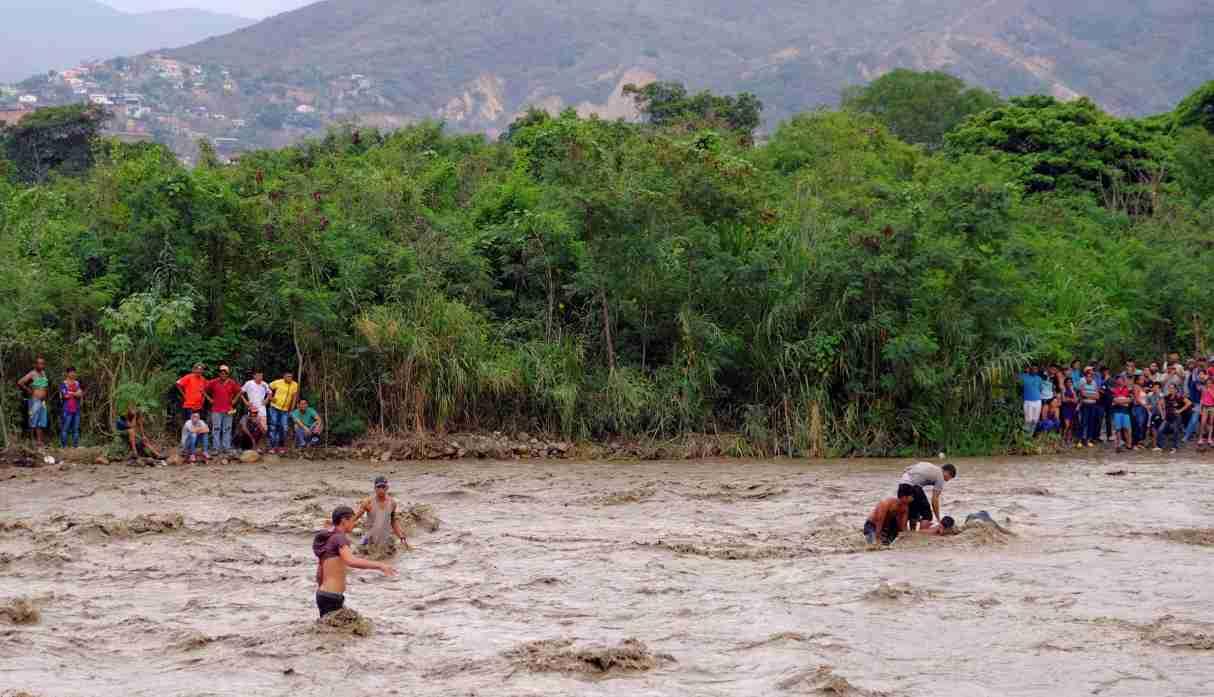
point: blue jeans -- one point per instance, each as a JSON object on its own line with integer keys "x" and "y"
{"x": 221, "y": 426}
{"x": 1141, "y": 418}
{"x": 69, "y": 425}
{"x": 1194, "y": 420}
{"x": 279, "y": 425}
{"x": 195, "y": 441}
{"x": 1093, "y": 414}
{"x": 304, "y": 437}
{"x": 1172, "y": 427}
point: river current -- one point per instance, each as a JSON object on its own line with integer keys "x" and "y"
{"x": 709, "y": 578}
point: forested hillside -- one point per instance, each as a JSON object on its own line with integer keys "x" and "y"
{"x": 479, "y": 63}
{"x": 833, "y": 290}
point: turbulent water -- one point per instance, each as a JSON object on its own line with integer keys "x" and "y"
{"x": 554, "y": 578}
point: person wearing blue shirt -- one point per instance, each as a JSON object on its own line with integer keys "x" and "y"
{"x": 1030, "y": 382}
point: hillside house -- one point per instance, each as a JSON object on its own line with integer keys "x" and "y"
{"x": 27, "y": 99}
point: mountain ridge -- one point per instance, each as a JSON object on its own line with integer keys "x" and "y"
{"x": 435, "y": 58}
{"x": 59, "y": 34}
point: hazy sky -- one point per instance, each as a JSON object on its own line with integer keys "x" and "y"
{"x": 256, "y": 9}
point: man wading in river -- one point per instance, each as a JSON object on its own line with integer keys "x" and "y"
{"x": 382, "y": 517}
{"x": 922, "y": 475}
{"x": 333, "y": 556}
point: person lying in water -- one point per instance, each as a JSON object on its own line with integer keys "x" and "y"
{"x": 890, "y": 517}
{"x": 333, "y": 556}
{"x": 946, "y": 526}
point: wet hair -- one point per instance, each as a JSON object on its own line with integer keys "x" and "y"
{"x": 905, "y": 490}
{"x": 947, "y": 522}
{"x": 951, "y": 469}
{"x": 70, "y": 370}
{"x": 341, "y": 513}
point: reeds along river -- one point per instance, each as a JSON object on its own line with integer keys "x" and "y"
{"x": 596, "y": 578}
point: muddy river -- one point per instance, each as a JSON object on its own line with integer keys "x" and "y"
{"x": 562, "y": 578}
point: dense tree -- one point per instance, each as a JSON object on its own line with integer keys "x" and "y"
{"x": 919, "y": 107}
{"x": 835, "y": 290}
{"x": 667, "y": 104}
{"x": 56, "y": 139}
{"x": 1069, "y": 146}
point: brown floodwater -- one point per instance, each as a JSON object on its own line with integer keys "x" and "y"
{"x": 733, "y": 578}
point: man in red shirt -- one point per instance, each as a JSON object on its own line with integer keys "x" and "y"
{"x": 193, "y": 389}
{"x": 222, "y": 391}
{"x": 1122, "y": 401}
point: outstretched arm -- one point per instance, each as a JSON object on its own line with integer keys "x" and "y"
{"x": 355, "y": 563}
{"x": 360, "y": 511}
{"x": 936, "y": 503}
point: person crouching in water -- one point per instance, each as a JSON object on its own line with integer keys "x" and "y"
{"x": 890, "y": 517}
{"x": 333, "y": 556}
{"x": 382, "y": 518}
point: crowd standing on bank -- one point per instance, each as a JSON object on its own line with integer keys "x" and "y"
{"x": 218, "y": 415}
{"x": 1161, "y": 405}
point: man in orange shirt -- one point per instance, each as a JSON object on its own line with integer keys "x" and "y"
{"x": 193, "y": 389}
{"x": 890, "y": 517}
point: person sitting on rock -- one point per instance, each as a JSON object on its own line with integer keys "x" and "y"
{"x": 195, "y": 435}
{"x": 333, "y": 557}
{"x": 382, "y": 517}
{"x": 250, "y": 432}
{"x": 308, "y": 425}
{"x": 890, "y": 517}
{"x": 130, "y": 432}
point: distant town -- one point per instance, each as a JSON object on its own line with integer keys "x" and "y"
{"x": 155, "y": 98}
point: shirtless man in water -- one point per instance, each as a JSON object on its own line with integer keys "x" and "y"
{"x": 333, "y": 556}
{"x": 382, "y": 516}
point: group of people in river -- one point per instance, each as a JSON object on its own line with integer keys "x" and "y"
{"x": 333, "y": 550}
{"x": 909, "y": 509}
{"x": 1161, "y": 405}
{"x": 273, "y": 411}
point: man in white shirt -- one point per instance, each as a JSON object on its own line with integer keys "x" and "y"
{"x": 254, "y": 395}
{"x": 919, "y": 476}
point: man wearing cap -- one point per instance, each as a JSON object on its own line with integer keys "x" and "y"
{"x": 193, "y": 390}
{"x": 222, "y": 391}
{"x": 382, "y": 517}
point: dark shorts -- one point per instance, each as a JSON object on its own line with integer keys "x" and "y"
{"x": 888, "y": 535}
{"x": 328, "y": 602}
{"x": 920, "y": 508}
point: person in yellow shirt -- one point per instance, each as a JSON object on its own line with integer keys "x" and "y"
{"x": 285, "y": 393}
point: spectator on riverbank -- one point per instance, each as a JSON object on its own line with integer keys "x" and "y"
{"x": 1030, "y": 384}
{"x": 194, "y": 438}
{"x": 192, "y": 387}
{"x": 71, "y": 394}
{"x": 1089, "y": 407}
{"x": 1176, "y": 408}
{"x": 1069, "y": 412}
{"x": 308, "y": 425}
{"x": 222, "y": 392}
{"x": 35, "y": 384}
{"x": 285, "y": 393}
{"x": 130, "y": 431}
{"x": 250, "y": 432}
{"x": 254, "y": 394}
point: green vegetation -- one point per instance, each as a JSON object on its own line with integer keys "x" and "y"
{"x": 833, "y": 291}
{"x": 919, "y": 107}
